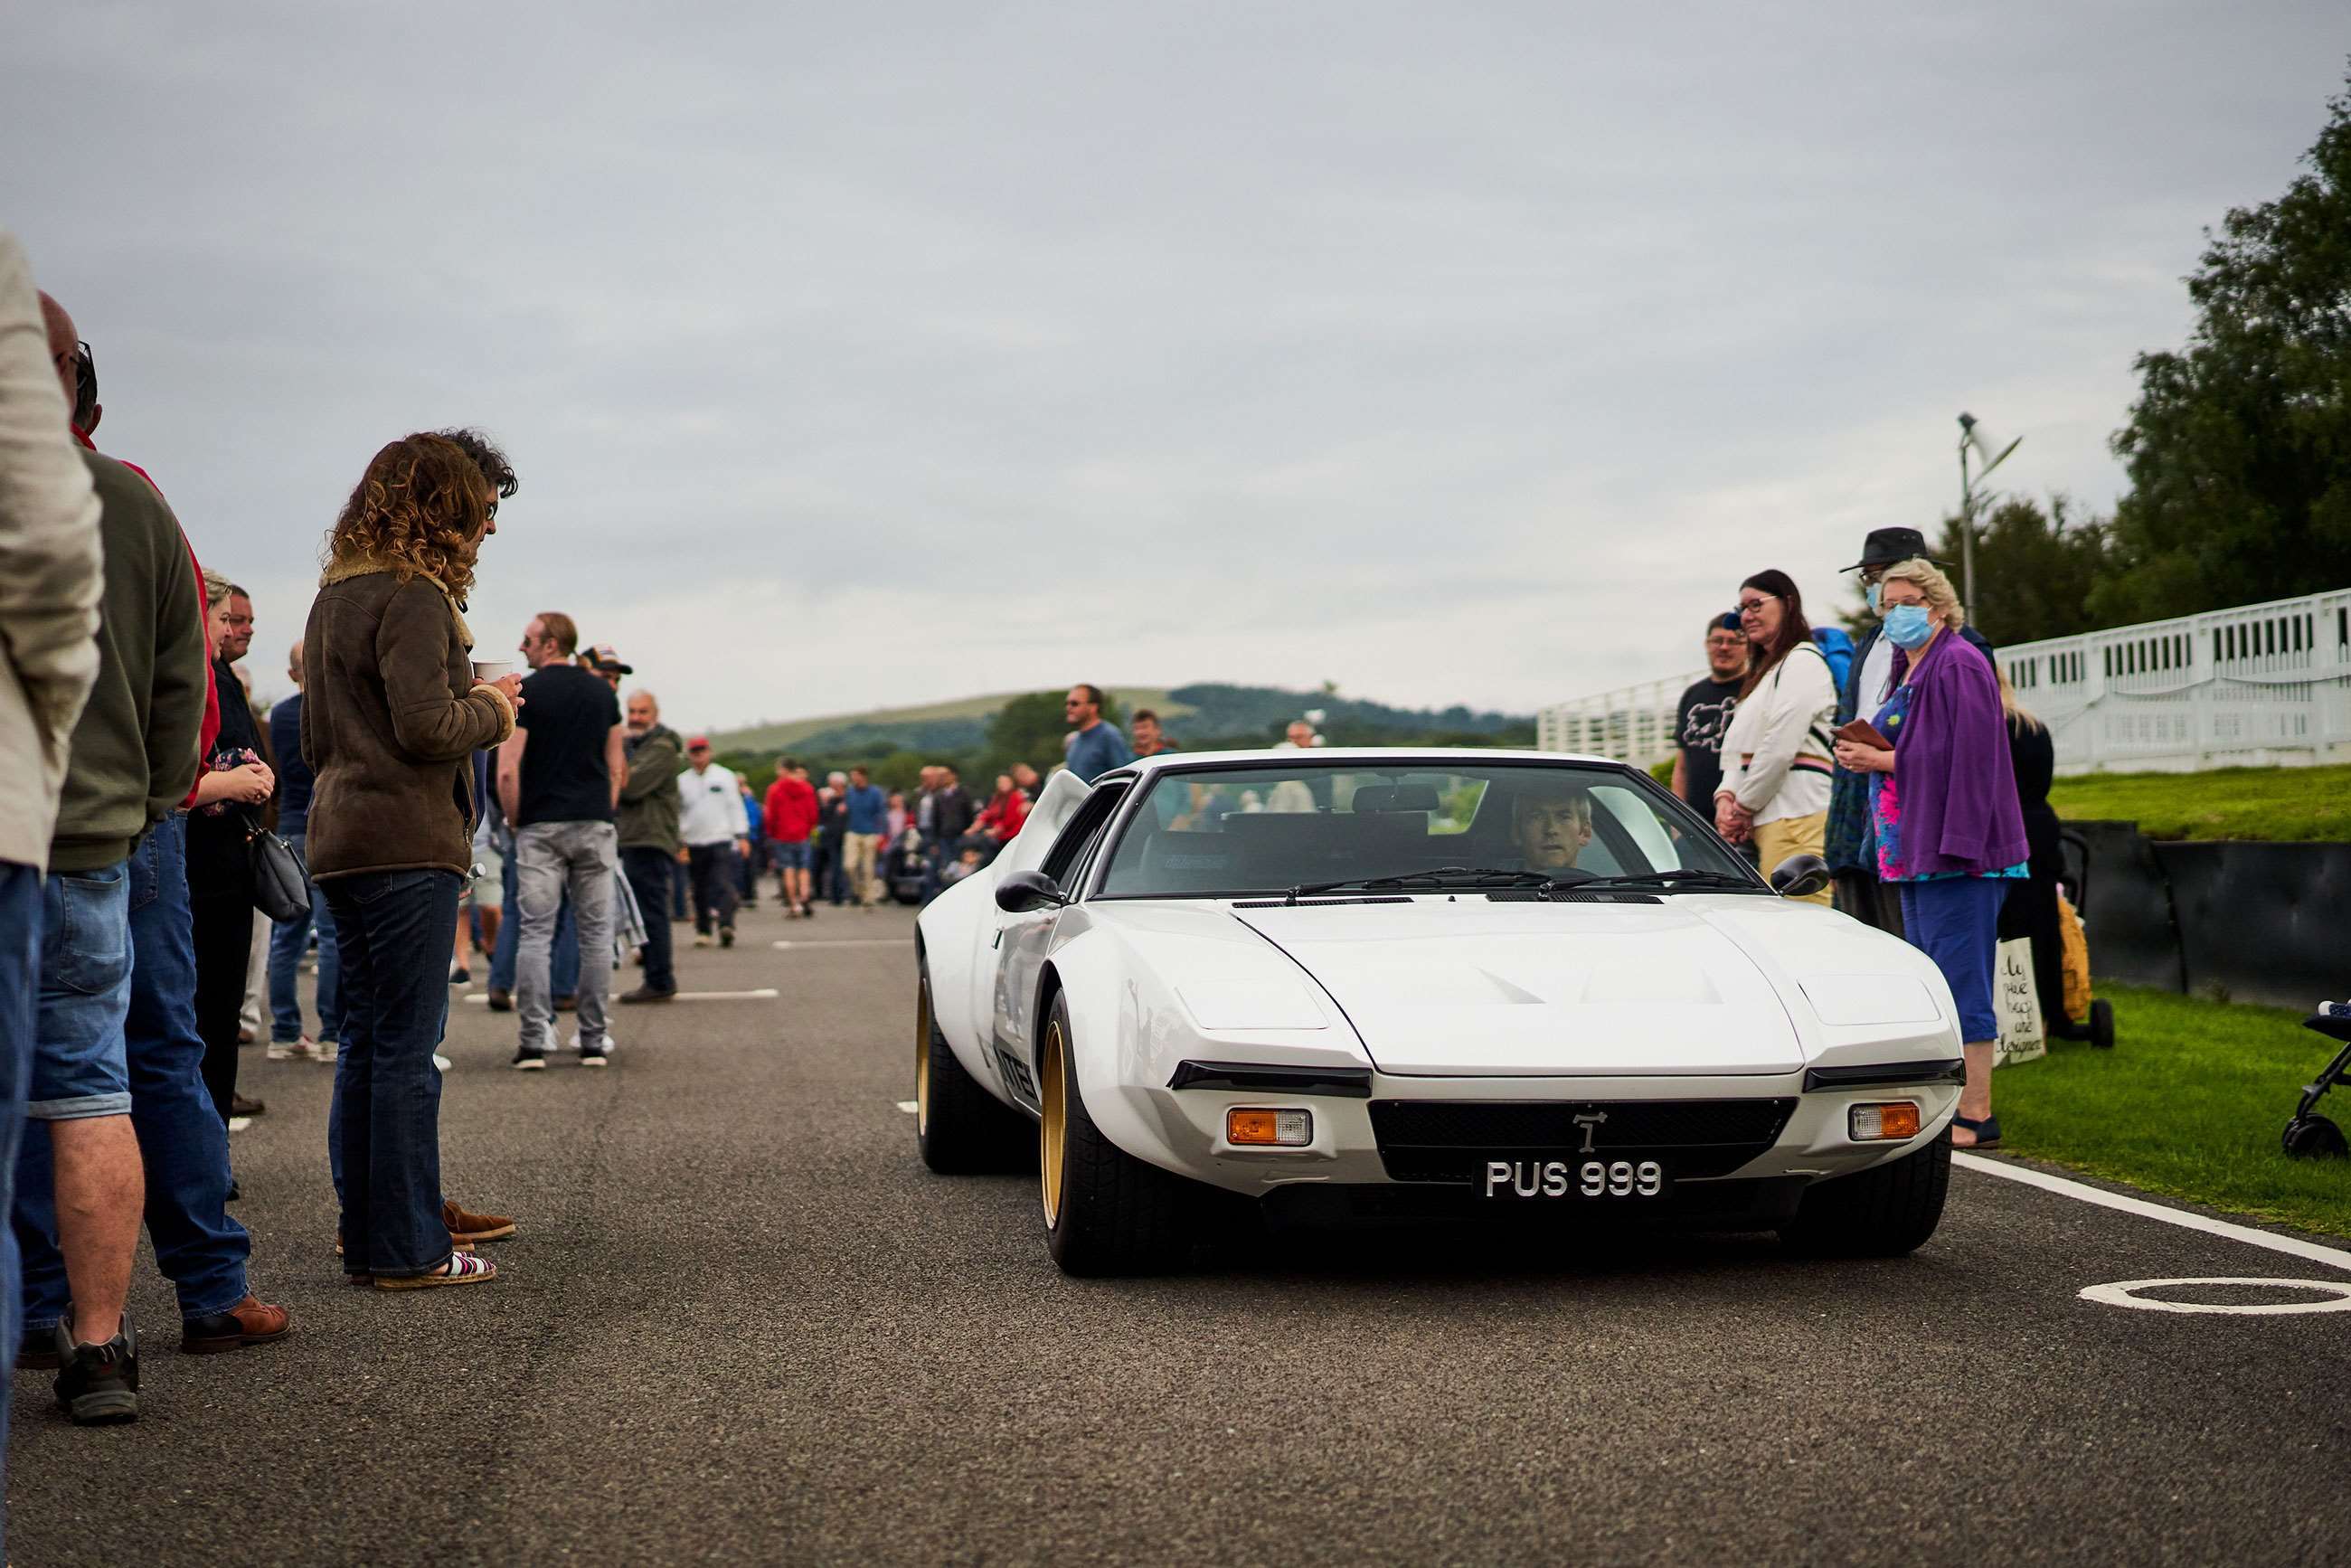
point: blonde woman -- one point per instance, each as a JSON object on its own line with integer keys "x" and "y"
{"x": 1775, "y": 756}
{"x": 1944, "y": 809}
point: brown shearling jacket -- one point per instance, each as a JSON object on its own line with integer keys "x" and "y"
{"x": 391, "y": 720}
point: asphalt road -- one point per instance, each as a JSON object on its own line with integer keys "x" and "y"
{"x": 742, "y": 1323}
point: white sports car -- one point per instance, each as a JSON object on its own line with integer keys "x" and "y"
{"x": 1360, "y": 983}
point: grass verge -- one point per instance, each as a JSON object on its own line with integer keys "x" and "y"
{"x": 2189, "y": 1103}
{"x": 2289, "y": 804}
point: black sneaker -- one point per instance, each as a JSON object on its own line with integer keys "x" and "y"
{"x": 501, "y": 1000}
{"x": 99, "y": 1382}
{"x": 726, "y": 937}
{"x": 595, "y": 1056}
{"x": 529, "y": 1060}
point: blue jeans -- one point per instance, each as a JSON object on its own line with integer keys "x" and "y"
{"x": 20, "y": 973}
{"x": 566, "y": 980}
{"x": 182, "y": 1142}
{"x": 79, "y": 1067}
{"x": 288, "y": 939}
{"x": 396, "y": 928}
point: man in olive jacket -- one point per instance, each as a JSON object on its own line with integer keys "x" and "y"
{"x": 648, "y": 836}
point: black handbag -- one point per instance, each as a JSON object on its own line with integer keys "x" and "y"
{"x": 281, "y": 882}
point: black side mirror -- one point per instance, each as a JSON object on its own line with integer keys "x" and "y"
{"x": 1800, "y": 876}
{"x": 1022, "y": 891}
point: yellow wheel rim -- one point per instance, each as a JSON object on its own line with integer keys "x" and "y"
{"x": 1053, "y": 1091}
{"x": 923, "y": 1058}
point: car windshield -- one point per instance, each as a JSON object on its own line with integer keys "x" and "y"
{"x": 1202, "y": 833}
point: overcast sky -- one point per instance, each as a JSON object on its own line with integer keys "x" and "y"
{"x": 866, "y": 354}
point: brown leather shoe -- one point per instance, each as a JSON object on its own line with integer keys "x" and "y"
{"x": 251, "y": 1322}
{"x": 468, "y": 1226}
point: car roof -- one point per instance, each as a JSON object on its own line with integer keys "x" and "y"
{"x": 1142, "y": 767}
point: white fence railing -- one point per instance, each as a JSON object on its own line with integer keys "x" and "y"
{"x": 1632, "y": 724}
{"x": 2257, "y": 685}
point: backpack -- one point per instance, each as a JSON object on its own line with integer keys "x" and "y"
{"x": 1835, "y": 644}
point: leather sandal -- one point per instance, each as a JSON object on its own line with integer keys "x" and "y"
{"x": 1987, "y": 1133}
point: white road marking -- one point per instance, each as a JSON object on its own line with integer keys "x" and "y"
{"x": 849, "y": 942}
{"x": 765, "y": 993}
{"x": 2126, "y": 1294}
{"x": 2333, "y": 1257}
{"x": 239, "y": 1124}
{"x": 908, "y": 1106}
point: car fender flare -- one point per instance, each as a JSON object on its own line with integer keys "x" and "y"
{"x": 1104, "y": 1020}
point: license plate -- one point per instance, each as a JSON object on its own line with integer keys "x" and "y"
{"x": 1576, "y": 1177}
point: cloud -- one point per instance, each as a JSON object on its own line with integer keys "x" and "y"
{"x": 865, "y": 355}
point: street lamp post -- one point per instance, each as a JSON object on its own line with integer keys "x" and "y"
{"x": 1972, "y": 439}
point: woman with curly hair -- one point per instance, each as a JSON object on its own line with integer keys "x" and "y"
{"x": 391, "y": 722}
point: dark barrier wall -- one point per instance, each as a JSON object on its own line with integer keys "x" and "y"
{"x": 2127, "y": 908}
{"x": 2264, "y": 922}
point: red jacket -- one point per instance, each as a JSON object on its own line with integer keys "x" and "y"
{"x": 790, "y": 811}
{"x": 1004, "y": 816}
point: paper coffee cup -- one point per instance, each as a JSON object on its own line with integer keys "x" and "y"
{"x": 493, "y": 669}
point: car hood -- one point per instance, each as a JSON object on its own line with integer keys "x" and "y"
{"x": 1467, "y": 988}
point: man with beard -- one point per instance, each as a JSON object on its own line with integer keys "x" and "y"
{"x": 648, "y": 836}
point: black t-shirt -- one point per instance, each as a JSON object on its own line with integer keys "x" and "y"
{"x": 218, "y": 863}
{"x": 569, "y": 713}
{"x": 1698, "y": 727}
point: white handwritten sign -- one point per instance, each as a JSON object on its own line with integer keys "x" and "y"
{"x": 2019, "y": 1007}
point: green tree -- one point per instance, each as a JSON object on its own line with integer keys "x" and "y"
{"x": 2036, "y": 570}
{"x": 2239, "y": 447}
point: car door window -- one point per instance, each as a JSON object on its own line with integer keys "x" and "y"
{"x": 1066, "y": 861}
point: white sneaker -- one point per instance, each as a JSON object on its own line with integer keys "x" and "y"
{"x": 571, "y": 1042}
{"x": 443, "y": 1062}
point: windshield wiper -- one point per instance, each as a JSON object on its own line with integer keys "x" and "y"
{"x": 1442, "y": 876}
{"x": 1680, "y": 876}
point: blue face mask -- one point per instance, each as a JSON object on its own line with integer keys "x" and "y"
{"x": 1906, "y": 626}
{"x": 1870, "y": 593}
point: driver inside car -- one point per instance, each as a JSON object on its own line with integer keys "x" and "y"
{"x": 1551, "y": 823}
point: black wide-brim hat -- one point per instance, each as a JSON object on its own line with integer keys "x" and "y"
{"x": 1884, "y": 546}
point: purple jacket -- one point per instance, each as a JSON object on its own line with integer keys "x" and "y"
{"x": 1952, "y": 769}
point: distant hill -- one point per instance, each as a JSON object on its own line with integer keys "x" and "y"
{"x": 1191, "y": 713}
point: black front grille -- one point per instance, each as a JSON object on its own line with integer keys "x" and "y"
{"x": 1449, "y": 1140}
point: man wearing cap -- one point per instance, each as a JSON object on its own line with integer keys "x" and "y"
{"x": 602, "y": 660}
{"x": 710, "y": 820}
{"x": 1851, "y": 857}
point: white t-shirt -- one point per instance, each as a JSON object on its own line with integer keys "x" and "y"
{"x": 1876, "y": 677}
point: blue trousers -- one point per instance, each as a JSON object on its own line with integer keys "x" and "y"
{"x": 287, "y": 941}
{"x": 396, "y": 928}
{"x": 1955, "y": 921}
{"x": 566, "y": 974}
{"x": 181, "y": 1141}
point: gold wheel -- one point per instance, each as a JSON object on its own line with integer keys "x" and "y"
{"x": 923, "y": 1058}
{"x": 1053, "y": 1092}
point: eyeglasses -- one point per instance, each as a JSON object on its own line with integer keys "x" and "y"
{"x": 1747, "y": 607}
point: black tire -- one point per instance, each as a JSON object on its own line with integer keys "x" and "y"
{"x": 1883, "y": 1212}
{"x": 2102, "y": 1025}
{"x": 1106, "y": 1212}
{"x": 960, "y": 1127}
{"x": 2314, "y": 1138}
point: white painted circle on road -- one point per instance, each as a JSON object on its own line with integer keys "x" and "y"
{"x": 2126, "y": 1294}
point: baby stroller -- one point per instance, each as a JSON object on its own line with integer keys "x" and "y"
{"x": 907, "y": 868}
{"x": 2310, "y": 1135}
{"x": 2086, "y": 1017}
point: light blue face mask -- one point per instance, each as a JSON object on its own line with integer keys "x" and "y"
{"x": 1906, "y": 626}
{"x": 1870, "y": 593}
